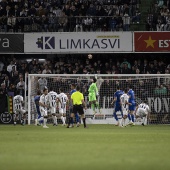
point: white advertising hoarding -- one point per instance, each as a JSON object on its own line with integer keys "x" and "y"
{"x": 78, "y": 42}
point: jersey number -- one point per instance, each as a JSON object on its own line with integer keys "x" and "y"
{"x": 53, "y": 97}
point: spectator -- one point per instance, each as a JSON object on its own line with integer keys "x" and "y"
{"x": 6, "y": 82}
{"x": 21, "y": 86}
{"x": 126, "y": 22}
{"x": 10, "y": 66}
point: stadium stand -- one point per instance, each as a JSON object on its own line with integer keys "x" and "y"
{"x": 68, "y": 15}
{"x": 12, "y": 70}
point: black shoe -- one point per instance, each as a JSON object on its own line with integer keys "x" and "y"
{"x": 143, "y": 124}
{"x": 54, "y": 124}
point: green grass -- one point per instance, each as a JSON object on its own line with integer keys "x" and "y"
{"x": 100, "y": 147}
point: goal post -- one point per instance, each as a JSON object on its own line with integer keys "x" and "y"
{"x": 154, "y": 88}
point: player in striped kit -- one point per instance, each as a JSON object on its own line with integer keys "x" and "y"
{"x": 63, "y": 100}
{"x": 124, "y": 98}
{"x": 18, "y": 109}
{"x": 43, "y": 108}
{"x": 52, "y": 101}
{"x": 142, "y": 111}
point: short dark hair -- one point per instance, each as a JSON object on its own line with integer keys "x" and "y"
{"x": 125, "y": 90}
{"x": 51, "y": 88}
{"x": 130, "y": 86}
{"x": 94, "y": 80}
{"x": 73, "y": 85}
{"x": 38, "y": 92}
{"x": 78, "y": 88}
{"x": 118, "y": 87}
{"x": 45, "y": 88}
{"x": 61, "y": 89}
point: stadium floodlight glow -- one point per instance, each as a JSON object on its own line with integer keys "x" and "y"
{"x": 155, "y": 88}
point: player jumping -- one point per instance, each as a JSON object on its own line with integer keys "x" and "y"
{"x": 142, "y": 111}
{"x": 93, "y": 91}
{"x": 124, "y": 98}
{"x": 118, "y": 111}
{"x": 132, "y": 105}
{"x": 36, "y": 100}
{"x": 18, "y": 109}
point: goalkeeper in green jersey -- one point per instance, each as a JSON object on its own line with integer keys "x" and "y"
{"x": 93, "y": 92}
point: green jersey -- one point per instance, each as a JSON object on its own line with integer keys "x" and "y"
{"x": 93, "y": 88}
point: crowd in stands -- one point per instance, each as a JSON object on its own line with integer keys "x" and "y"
{"x": 68, "y": 15}
{"x": 12, "y": 72}
{"x": 158, "y": 18}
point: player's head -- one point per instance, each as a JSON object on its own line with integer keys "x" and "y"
{"x": 94, "y": 80}
{"x": 125, "y": 90}
{"x": 38, "y": 92}
{"x": 73, "y": 86}
{"x": 45, "y": 90}
{"x": 78, "y": 88}
{"x": 130, "y": 86}
{"x": 61, "y": 90}
{"x": 51, "y": 89}
{"x": 145, "y": 101}
{"x": 118, "y": 87}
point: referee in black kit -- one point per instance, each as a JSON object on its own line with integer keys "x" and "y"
{"x": 78, "y": 104}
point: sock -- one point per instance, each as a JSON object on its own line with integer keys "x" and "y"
{"x": 97, "y": 105}
{"x": 54, "y": 119}
{"x": 120, "y": 122}
{"x": 77, "y": 118}
{"x": 84, "y": 122}
{"x": 144, "y": 118}
{"x": 133, "y": 117}
{"x": 71, "y": 120}
{"x": 93, "y": 107}
{"x": 40, "y": 119}
{"x": 63, "y": 120}
{"x": 123, "y": 121}
{"x": 129, "y": 116}
{"x": 45, "y": 121}
{"x": 115, "y": 116}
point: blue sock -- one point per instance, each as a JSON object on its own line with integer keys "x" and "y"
{"x": 77, "y": 117}
{"x": 133, "y": 117}
{"x": 129, "y": 116}
{"x": 115, "y": 116}
{"x": 41, "y": 122}
{"x": 71, "y": 121}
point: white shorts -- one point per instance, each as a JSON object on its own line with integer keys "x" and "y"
{"x": 19, "y": 111}
{"x": 52, "y": 110}
{"x": 62, "y": 109}
{"x": 141, "y": 113}
{"x": 43, "y": 112}
{"x": 125, "y": 110}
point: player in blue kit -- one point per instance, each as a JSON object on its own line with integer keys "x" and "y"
{"x": 73, "y": 89}
{"x": 36, "y": 100}
{"x": 132, "y": 102}
{"x": 118, "y": 111}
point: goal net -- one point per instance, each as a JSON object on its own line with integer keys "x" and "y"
{"x": 155, "y": 89}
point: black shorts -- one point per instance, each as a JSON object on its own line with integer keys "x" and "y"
{"x": 78, "y": 109}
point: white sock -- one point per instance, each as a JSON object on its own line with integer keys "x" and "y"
{"x": 45, "y": 121}
{"x": 63, "y": 120}
{"x": 54, "y": 119}
{"x": 144, "y": 118}
{"x": 120, "y": 122}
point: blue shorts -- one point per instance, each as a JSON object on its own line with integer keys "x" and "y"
{"x": 132, "y": 107}
{"x": 118, "y": 108}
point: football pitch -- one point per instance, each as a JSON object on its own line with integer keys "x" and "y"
{"x": 100, "y": 147}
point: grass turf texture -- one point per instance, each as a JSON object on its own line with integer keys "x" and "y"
{"x": 98, "y": 147}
